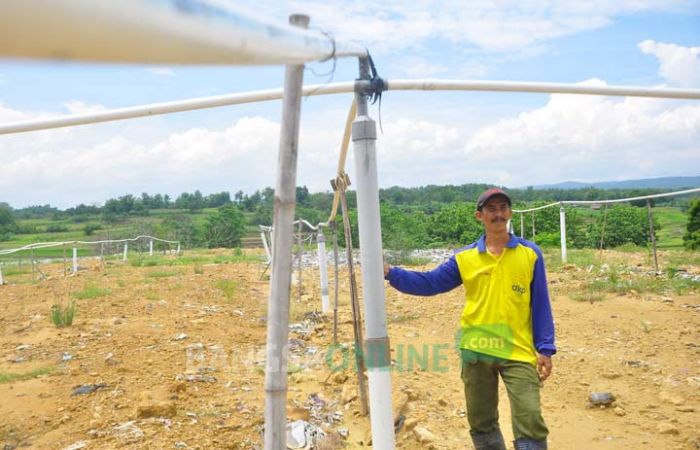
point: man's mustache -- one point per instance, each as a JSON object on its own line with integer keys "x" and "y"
{"x": 498, "y": 219}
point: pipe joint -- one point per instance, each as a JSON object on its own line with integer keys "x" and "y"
{"x": 364, "y": 128}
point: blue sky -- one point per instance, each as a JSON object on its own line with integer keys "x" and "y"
{"x": 429, "y": 138}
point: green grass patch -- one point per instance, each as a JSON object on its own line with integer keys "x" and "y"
{"x": 6, "y": 377}
{"x": 644, "y": 283}
{"x": 228, "y": 287}
{"x": 91, "y": 290}
{"x": 588, "y": 295}
{"x": 163, "y": 273}
{"x": 63, "y": 316}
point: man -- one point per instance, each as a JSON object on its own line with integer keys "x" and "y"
{"x": 506, "y": 325}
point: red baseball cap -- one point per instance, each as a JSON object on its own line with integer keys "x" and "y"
{"x": 488, "y": 194}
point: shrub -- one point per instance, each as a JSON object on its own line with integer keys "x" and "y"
{"x": 63, "y": 317}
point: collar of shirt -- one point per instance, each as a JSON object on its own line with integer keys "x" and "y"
{"x": 481, "y": 243}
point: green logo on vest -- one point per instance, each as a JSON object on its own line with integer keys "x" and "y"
{"x": 489, "y": 339}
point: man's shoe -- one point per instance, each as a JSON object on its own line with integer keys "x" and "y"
{"x": 529, "y": 444}
{"x": 489, "y": 441}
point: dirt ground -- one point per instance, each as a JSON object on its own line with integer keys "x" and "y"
{"x": 175, "y": 359}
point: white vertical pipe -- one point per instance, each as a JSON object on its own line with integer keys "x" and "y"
{"x": 150, "y": 247}
{"x": 281, "y": 276}
{"x": 1, "y": 280}
{"x": 364, "y": 135}
{"x": 522, "y": 225}
{"x": 126, "y": 250}
{"x": 177, "y": 252}
{"x": 562, "y": 228}
{"x": 265, "y": 246}
{"x": 75, "y": 260}
{"x": 323, "y": 270}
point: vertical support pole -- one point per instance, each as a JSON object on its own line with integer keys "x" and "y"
{"x": 102, "y": 256}
{"x": 522, "y": 225}
{"x": 562, "y": 232}
{"x": 300, "y": 254}
{"x": 533, "y": 226}
{"x": 1, "y": 280}
{"x": 651, "y": 234}
{"x": 31, "y": 261}
{"x": 335, "y": 282}
{"x": 323, "y": 271}
{"x": 75, "y": 260}
{"x": 263, "y": 238}
{"x": 281, "y": 275}
{"x": 126, "y": 251}
{"x": 510, "y": 226}
{"x": 150, "y": 247}
{"x": 65, "y": 264}
{"x": 377, "y": 356}
{"x": 178, "y": 249}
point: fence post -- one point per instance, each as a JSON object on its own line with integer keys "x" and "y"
{"x": 126, "y": 251}
{"x": 1, "y": 280}
{"x": 323, "y": 270}
{"x": 177, "y": 252}
{"x": 562, "y": 228}
{"x": 522, "y": 225}
{"x": 150, "y": 247}
{"x": 651, "y": 233}
{"x": 75, "y": 260}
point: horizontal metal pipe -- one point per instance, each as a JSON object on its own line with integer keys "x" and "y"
{"x": 339, "y": 88}
{"x": 58, "y": 244}
{"x": 617, "y": 200}
{"x": 542, "y": 88}
{"x": 157, "y": 32}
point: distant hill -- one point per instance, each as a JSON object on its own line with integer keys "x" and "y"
{"x": 648, "y": 183}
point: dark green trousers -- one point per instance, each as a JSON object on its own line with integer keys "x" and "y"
{"x": 480, "y": 377}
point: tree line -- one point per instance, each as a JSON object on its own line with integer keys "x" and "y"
{"x": 428, "y": 216}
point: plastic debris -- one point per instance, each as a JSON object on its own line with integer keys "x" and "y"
{"x": 601, "y": 398}
{"x": 88, "y": 388}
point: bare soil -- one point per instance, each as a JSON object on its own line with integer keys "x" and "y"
{"x": 176, "y": 360}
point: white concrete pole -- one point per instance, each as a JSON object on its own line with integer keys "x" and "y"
{"x": 281, "y": 276}
{"x": 150, "y": 247}
{"x": 126, "y": 251}
{"x": 1, "y": 280}
{"x": 562, "y": 228}
{"x": 75, "y": 260}
{"x": 376, "y": 351}
{"x": 177, "y": 252}
{"x": 323, "y": 271}
{"x": 522, "y": 225}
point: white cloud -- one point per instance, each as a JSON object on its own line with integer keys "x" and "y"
{"x": 50, "y": 166}
{"x": 590, "y": 138}
{"x": 504, "y": 26}
{"x": 679, "y": 65}
{"x": 162, "y": 71}
{"x": 79, "y": 107}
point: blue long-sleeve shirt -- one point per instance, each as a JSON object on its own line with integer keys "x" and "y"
{"x": 448, "y": 276}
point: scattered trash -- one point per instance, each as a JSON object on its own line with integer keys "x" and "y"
{"x": 303, "y": 435}
{"x": 195, "y": 378}
{"x": 601, "y": 399}
{"x": 179, "y": 337}
{"x": 127, "y": 432}
{"x": 77, "y": 446}
{"x": 88, "y": 388}
{"x": 66, "y": 357}
{"x": 23, "y": 347}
